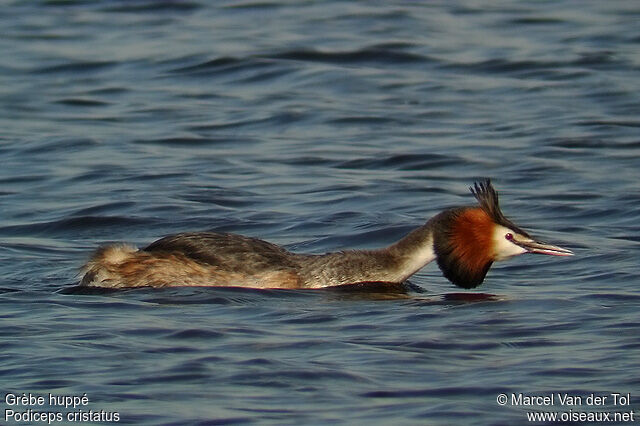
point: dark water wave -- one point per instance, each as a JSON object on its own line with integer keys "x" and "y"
{"x": 165, "y": 6}
{"x": 367, "y": 55}
{"x": 375, "y": 55}
{"x": 76, "y": 67}
{"x": 226, "y": 65}
{"x": 402, "y": 162}
{"x": 73, "y": 224}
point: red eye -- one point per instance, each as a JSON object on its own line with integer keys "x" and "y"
{"x": 509, "y": 236}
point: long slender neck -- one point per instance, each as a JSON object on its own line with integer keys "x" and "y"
{"x": 413, "y": 251}
{"x": 395, "y": 263}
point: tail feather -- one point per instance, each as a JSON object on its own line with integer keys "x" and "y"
{"x": 102, "y": 267}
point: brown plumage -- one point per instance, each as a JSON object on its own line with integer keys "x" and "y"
{"x": 465, "y": 241}
{"x": 463, "y": 245}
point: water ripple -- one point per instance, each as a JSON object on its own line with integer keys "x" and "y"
{"x": 76, "y": 67}
{"x": 367, "y": 55}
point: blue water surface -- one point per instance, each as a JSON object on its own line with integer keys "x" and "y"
{"x": 319, "y": 126}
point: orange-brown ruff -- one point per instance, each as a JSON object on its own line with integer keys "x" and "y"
{"x": 471, "y": 238}
{"x": 465, "y": 241}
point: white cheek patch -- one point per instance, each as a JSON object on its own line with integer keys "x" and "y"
{"x": 503, "y": 248}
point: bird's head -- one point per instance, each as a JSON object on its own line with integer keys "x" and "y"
{"x": 467, "y": 240}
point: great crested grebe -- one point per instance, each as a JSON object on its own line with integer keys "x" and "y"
{"x": 465, "y": 241}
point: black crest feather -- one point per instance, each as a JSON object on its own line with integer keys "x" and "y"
{"x": 487, "y": 196}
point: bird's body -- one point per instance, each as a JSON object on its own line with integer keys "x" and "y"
{"x": 221, "y": 259}
{"x": 465, "y": 241}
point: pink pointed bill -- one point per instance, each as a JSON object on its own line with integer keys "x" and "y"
{"x": 542, "y": 248}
